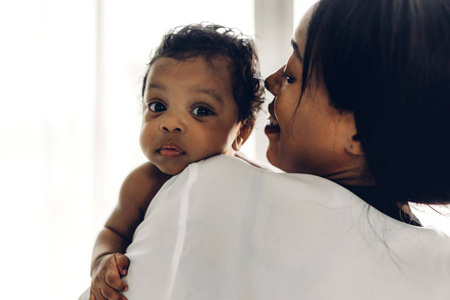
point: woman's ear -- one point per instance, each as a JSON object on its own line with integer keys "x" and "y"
{"x": 354, "y": 145}
{"x": 244, "y": 132}
{"x": 353, "y": 141}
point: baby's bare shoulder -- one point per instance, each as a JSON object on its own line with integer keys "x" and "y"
{"x": 142, "y": 184}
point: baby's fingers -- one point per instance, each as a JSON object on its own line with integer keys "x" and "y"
{"x": 111, "y": 294}
{"x": 113, "y": 279}
{"x": 122, "y": 263}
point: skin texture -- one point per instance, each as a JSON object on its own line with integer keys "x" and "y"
{"x": 109, "y": 265}
{"x": 311, "y": 135}
{"x": 189, "y": 114}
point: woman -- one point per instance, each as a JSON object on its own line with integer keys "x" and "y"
{"x": 361, "y": 110}
{"x": 374, "y": 88}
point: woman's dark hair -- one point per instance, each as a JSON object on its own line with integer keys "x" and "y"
{"x": 388, "y": 61}
{"x": 211, "y": 41}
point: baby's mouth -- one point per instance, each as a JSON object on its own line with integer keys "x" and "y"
{"x": 170, "y": 151}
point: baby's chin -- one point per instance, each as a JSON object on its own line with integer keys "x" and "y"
{"x": 174, "y": 166}
{"x": 171, "y": 169}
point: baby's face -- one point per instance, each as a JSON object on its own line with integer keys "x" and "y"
{"x": 189, "y": 113}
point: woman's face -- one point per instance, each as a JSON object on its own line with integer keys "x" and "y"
{"x": 307, "y": 135}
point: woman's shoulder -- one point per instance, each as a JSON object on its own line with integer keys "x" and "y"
{"x": 223, "y": 172}
{"x": 289, "y": 225}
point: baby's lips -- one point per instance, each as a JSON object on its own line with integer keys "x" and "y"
{"x": 170, "y": 151}
{"x": 171, "y": 146}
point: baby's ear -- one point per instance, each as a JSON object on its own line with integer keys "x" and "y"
{"x": 244, "y": 132}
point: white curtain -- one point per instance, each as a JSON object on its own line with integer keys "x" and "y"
{"x": 69, "y": 124}
{"x": 70, "y": 118}
{"x": 47, "y": 136}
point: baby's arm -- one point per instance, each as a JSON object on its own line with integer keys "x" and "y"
{"x": 108, "y": 261}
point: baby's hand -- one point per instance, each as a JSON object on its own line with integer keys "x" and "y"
{"x": 106, "y": 280}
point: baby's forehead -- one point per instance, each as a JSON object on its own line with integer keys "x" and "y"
{"x": 214, "y": 62}
{"x": 213, "y": 73}
{"x": 220, "y": 62}
{"x": 216, "y": 67}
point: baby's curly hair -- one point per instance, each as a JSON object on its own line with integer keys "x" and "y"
{"x": 210, "y": 41}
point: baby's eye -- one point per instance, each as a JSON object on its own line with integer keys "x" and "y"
{"x": 202, "y": 111}
{"x": 156, "y": 107}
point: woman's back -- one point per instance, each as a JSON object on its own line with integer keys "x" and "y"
{"x": 263, "y": 235}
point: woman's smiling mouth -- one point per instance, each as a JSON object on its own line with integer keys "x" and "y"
{"x": 272, "y": 124}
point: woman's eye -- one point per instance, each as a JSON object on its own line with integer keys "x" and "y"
{"x": 201, "y": 111}
{"x": 156, "y": 107}
{"x": 289, "y": 79}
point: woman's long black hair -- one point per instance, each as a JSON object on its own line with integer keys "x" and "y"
{"x": 388, "y": 61}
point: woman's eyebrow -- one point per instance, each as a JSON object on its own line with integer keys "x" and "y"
{"x": 296, "y": 50}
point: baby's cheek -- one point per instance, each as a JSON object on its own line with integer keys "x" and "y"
{"x": 146, "y": 150}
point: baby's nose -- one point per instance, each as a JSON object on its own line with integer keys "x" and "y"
{"x": 172, "y": 123}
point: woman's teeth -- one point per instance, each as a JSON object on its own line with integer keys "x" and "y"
{"x": 272, "y": 126}
{"x": 272, "y": 121}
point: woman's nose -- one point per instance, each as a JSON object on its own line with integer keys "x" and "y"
{"x": 172, "y": 123}
{"x": 273, "y": 83}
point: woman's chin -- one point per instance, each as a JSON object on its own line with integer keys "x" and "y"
{"x": 272, "y": 156}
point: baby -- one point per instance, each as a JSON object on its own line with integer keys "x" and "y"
{"x": 201, "y": 94}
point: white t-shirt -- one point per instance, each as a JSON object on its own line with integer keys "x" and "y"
{"x": 223, "y": 230}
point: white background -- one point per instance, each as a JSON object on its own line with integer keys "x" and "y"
{"x": 70, "y": 74}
